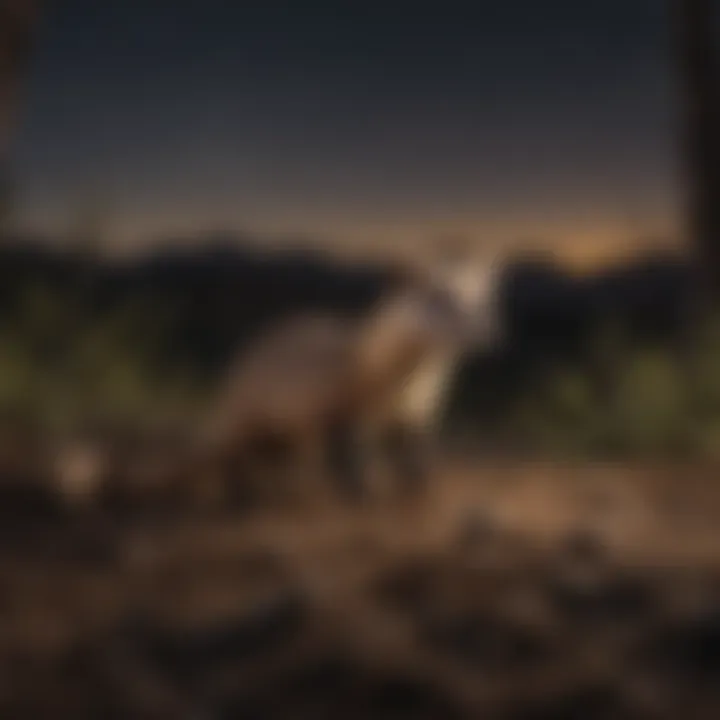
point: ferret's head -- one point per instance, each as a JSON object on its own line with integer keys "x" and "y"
{"x": 471, "y": 285}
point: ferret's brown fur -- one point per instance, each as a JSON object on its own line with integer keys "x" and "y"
{"x": 311, "y": 375}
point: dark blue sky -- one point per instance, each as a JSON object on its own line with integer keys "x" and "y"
{"x": 353, "y": 119}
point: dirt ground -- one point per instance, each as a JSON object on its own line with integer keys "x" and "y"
{"x": 508, "y": 591}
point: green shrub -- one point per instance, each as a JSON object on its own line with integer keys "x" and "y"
{"x": 64, "y": 366}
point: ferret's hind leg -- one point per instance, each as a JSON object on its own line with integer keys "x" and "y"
{"x": 413, "y": 453}
{"x": 353, "y": 454}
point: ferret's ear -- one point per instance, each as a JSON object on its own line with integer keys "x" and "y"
{"x": 445, "y": 255}
{"x": 446, "y": 251}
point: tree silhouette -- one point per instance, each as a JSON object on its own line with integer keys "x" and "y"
{"x": 18, "y": 27}
{"x": 694, "y": 23}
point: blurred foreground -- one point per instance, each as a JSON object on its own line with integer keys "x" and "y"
{"x": 513, "y": 590}
{"x": 535, "y": 591}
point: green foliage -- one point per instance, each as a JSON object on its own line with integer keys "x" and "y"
{"x": 63, "y": 367}
{"x": 64, "y": 364}
{"x": 624, "y": 400}
{"x": 650, "y": 408}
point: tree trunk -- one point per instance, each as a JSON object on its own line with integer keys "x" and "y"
{"x": 694, "y": 26}
{"x": 18, "y": 26}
